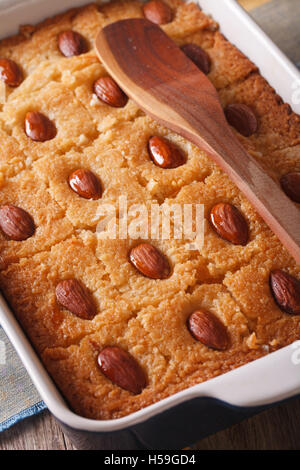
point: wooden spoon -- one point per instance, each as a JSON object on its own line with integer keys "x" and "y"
{"x": 158, "y": 76}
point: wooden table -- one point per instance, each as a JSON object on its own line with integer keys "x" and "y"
{"x": 278, "y": 428}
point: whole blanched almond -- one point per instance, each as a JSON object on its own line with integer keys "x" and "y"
{"x": 71, "y": 43}
{"x": 10, "y": 72}
{"x": 108, "y": 91}
{"x": 76, "y": 298}
{"x": 122, "y": 369}
{"x": 286, "y": 291}
{"x": 209, "y": 330}
{"x": 164, "y": 153}
{"x": 38, "y": 127}
{"x": 86, "y": 184}
{"x": 290, "y": 183}
{"x": 158, "y": 12}
{"x": 229, "y": 224}
{"x": 242, "y": 118}
{"x": 16, "y": 223}
{"x": 198, "y": 56}
{"x": 150, "y": 261}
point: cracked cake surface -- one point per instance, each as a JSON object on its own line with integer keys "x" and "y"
{"x": 146, "y": 317}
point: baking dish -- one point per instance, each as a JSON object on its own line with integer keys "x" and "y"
{"x": 208, "y": 407}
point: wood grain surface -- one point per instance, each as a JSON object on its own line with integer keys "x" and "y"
{"x": 249, "y": 4}
{"x": 275, "y": 429}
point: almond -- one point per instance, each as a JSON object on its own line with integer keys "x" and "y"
{"x": 10, "y": 73}
{"x": 150, "y": 261}
{"x": 16, "y": 223}
{"x": 229, "y": 224}
{"x": 286, "y": 291}
{"x": 76, "y": 298}
{"x": 209, "y": 330}
{"x": 122, "y": 369}
{"x": 242, "y": 118}
{"x": 108, "y": 91}
{"x": 164, "y": 153}
{"x": 71, "y": 43}
{"x": 290, "y": 183}
{"x": 158, "y": 12}
{"x": 38, "y": 127}
{"x": 85, "y": 184}
{"x": 198, "y": 56}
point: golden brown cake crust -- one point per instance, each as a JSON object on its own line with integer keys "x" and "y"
{"x": 145, "y": 317}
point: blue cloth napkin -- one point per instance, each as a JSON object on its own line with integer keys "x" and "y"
{"x": 18, "y": 396}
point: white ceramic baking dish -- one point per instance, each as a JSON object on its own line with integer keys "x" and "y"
{"x": 218, "y": 402}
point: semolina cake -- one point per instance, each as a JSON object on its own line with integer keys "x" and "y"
{"x": 123, "y": 322}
